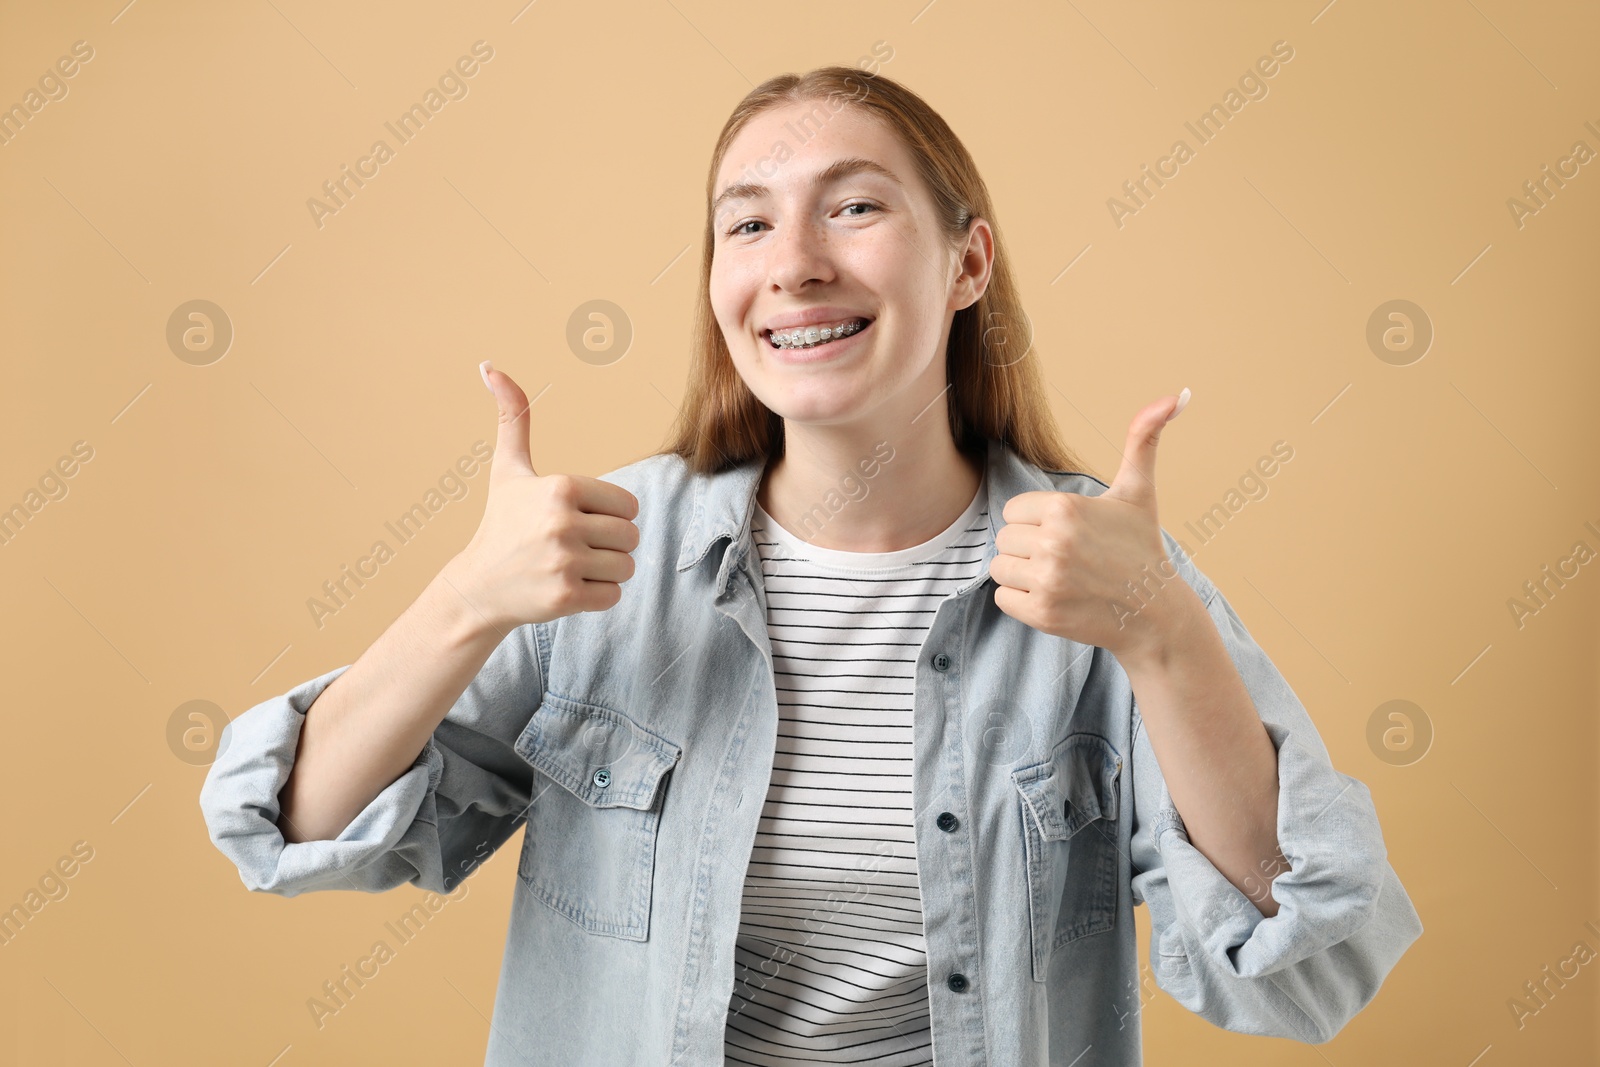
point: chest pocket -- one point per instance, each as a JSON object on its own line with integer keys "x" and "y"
{"x": 590, "y": 846}
{"x": 1068, "y": 806}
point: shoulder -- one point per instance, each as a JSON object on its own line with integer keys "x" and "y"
{"x": 1075, "y": 482}
{"x": 670, "y": 495}
{"x": 652, "y": 475}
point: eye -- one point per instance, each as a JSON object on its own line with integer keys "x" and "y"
{"x": 738, "y": 229}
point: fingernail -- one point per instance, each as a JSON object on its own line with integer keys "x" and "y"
{"x": 1183, "y": 400}
{"x": 484, "y": 368}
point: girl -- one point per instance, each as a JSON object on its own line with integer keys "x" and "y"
{"x": 850, "y": 727}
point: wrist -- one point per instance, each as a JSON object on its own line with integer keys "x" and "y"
{"x": 1162, "y": 629}
{"x": 464, "y": 614}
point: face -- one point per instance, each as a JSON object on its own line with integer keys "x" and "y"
{"x": 861, "y": 243}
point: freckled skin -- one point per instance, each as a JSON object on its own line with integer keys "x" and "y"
{"x": 803, "y": 246}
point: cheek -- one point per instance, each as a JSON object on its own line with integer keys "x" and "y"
{"x": 724, "y": 308}
{"x": 731, "y": 289}
{"x": 905, "y": 281}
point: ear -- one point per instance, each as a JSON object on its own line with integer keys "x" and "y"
{"x": 975, "y": 260}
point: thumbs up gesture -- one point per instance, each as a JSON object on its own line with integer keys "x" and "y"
{"x": 548, "y": 546}
{"x": 1086, "y": 568}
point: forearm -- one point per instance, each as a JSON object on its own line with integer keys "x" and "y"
{"x": 368, "y": 726}
{"x": 1220, "y": 765}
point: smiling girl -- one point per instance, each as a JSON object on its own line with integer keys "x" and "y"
{"x": 813, "y": 783}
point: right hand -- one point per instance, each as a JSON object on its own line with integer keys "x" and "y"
{"x": 547, "y": 546}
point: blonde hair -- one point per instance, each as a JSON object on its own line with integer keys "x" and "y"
{"x": 722, "y": 423}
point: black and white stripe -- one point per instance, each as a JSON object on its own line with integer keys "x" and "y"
{"x": 831, "y": 963}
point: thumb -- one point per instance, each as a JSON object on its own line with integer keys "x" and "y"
{"x": 511, "y": 442}
{"x": 1136, "y": 478}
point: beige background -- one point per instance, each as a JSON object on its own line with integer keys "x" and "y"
{"x": 219, "y": 498}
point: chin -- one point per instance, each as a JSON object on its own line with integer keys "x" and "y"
{"x": 817, "y": 413}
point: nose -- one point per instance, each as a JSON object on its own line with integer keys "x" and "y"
{"x": 797, "y": 254}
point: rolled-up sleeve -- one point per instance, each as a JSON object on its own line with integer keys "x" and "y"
{"x": 463, "y": 796}
{"x": 1343, "y": 918}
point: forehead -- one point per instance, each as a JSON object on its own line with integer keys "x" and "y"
{"x": 790, "y": 145}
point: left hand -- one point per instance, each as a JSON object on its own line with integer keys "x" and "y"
{"x": 1091, "y": 569}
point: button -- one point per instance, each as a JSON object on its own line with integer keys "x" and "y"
{"x": 957, "y": 982}
{"x": 602, "y": 777}
{"x": 941, "y": 662}
{"x": 947, "y": 822}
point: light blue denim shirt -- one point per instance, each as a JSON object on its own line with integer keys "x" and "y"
{"x": 636, "y": 744}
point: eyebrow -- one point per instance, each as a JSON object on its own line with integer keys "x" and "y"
{"x": 834, "y": 172}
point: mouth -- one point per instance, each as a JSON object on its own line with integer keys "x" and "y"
{"x": 807, "y": 338}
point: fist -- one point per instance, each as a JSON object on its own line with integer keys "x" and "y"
{"x": 1094, "y": 569}
{"x": 548, "y": 546}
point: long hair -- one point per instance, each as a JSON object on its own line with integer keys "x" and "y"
{"x": 996, "y": 387}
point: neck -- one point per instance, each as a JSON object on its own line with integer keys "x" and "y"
{"x": 869, "y": 491}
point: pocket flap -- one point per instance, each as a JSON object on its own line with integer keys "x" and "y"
{"x": 601, "y": 756}
{"x": 1076, "y": 785}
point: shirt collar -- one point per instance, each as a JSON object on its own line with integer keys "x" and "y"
{"x": 723, "y": 503}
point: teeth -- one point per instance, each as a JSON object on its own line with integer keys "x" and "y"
{"x": 811, "y": 336}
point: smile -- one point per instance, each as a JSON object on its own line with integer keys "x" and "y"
{"x": 815, "y": 336}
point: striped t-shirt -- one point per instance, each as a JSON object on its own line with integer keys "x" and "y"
{"x": 830, "y": 961}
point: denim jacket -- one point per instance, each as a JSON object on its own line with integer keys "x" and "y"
{"x": 636, "y": 744}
